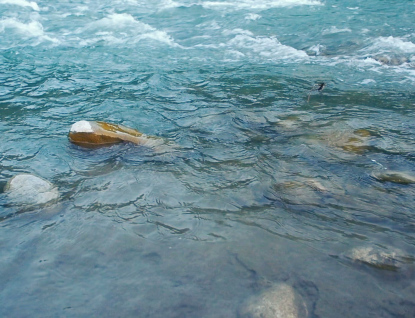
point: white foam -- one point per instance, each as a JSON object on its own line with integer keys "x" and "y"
{"x": 261, "y": 5}
{"x": 237, "y": 31}
{"x": 266, "y": 47}
{"x": 367, "y": 81}
{"x": 317, "y": 49}
{"x": 120, "y": 28}
{"x": 334, "y": 30}
{"x": 31, "y": 29}
{"x": 392, "y": 43}
{"x": 82, "y": 126}
{"x": 22, "y": 3}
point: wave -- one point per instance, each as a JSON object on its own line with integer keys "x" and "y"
{"x": 265, "y": 47}
{"x": 334, "y": 30}
{"x": 262, "y": 5}
{"x": 252, "y": 16}
{"x": 392, "y": 44}
{"x": 122, "y": 28}
{"x": 21, "y": 3}
{"x": 33, "y": 29}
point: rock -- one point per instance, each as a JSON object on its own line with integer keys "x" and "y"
{"x": 394, "y": 60}
{"x": 96, "y": 133}
{"x": 394, "y": 176}
{"x": 30, "y": 190}
{"x": 280, "y": 301}
{"x": 377, "y": 257}
{"x": 357, "y": 143}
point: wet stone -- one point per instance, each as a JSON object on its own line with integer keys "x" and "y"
{"x": 394, "y": 177}
{"x": 280, "y": 301}
{"x": 385, "y": 259}
{"x": 96, "y": 133}
{"x": 28, "y": 190}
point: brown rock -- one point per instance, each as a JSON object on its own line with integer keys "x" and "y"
{"x": 95, "y": 133}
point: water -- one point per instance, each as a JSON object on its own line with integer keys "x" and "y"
{"x": 269, "y": 182}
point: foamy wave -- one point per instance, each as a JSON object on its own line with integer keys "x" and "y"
{"x": 121, "y": 28}
{"x": 262, "y": 5}
{"x": 266, "y": 47}
{"x": 31, "y": 29}
{"x": 334, "y": 30}
{"x": 390, "y": 51}
{"x": 22, "y": 3}
{"x": 391, "y": 43}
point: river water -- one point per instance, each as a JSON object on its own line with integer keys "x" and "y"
{"x": 267, "y": 180}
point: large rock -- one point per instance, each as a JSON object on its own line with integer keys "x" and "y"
{"x": 96, "y": 133}
{"x": 394, "y": 176}
{"x": 381, "y": 258}
{"x": 29, "y": 190}
{"x": 280, "y": 301}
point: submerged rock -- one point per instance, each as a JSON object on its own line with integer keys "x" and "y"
{"x": 379, "y": 258}
{"x": 394, "y": 176}
{"x": 357, "y": 143}
{"x": 96, "y": 133}
{"x": 30, "y": 190}
{"x": 391, "y": 60}
{"x": 280, "y": 301}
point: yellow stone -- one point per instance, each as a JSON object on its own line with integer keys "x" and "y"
{"x": 96, "y": 133}
{"x": 362, "y": 132}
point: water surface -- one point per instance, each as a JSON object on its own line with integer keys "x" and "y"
{"x": 269, "y": 181}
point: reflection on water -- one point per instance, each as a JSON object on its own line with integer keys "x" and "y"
{"x": 254, "y": 197}
{"x": 270, "y": 187}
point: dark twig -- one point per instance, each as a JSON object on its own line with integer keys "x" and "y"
{"x": 316, "y": 87}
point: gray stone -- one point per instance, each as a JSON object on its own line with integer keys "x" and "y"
{"x": 28, "y": 190}
{"x": 394, "y": 176}
{"x": 280, "y": 301}
{"x": 386, "y": 259}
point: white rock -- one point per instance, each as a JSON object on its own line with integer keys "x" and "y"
{"x": 82, "y": 126}
{"x": 27, "y": 190}
{"x": 280, "y": 301}
{"x": 388, "y": 259}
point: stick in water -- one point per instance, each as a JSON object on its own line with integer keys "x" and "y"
{"x": 318, "y": 87}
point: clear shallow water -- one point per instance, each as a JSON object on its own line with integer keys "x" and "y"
{"x": 263, "y": 187}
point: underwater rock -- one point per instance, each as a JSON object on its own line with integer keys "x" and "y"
{"x": 356, "y": 141}
{"x": 394, "y": 176}
{"x": 96, "y": 133}
{"x": 377, "y": 257}
{"x": 30, "y": 190}
{"x": 280, "y": 301}
{"x": 393, "y": 61}
{"x": 304, "y": 192}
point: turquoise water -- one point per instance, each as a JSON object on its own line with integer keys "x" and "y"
{"x": 269, "y": 181}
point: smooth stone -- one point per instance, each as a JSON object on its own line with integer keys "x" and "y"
{"x": 394, "y": 61}
{"x": 280, "y": 301}
{"x": 27, "y": 189}
{"x": 357, "y": 143}
{"x": 96, "y": 133}
{"x": 394, "y": 176}
{"x": 376, "y": 257}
